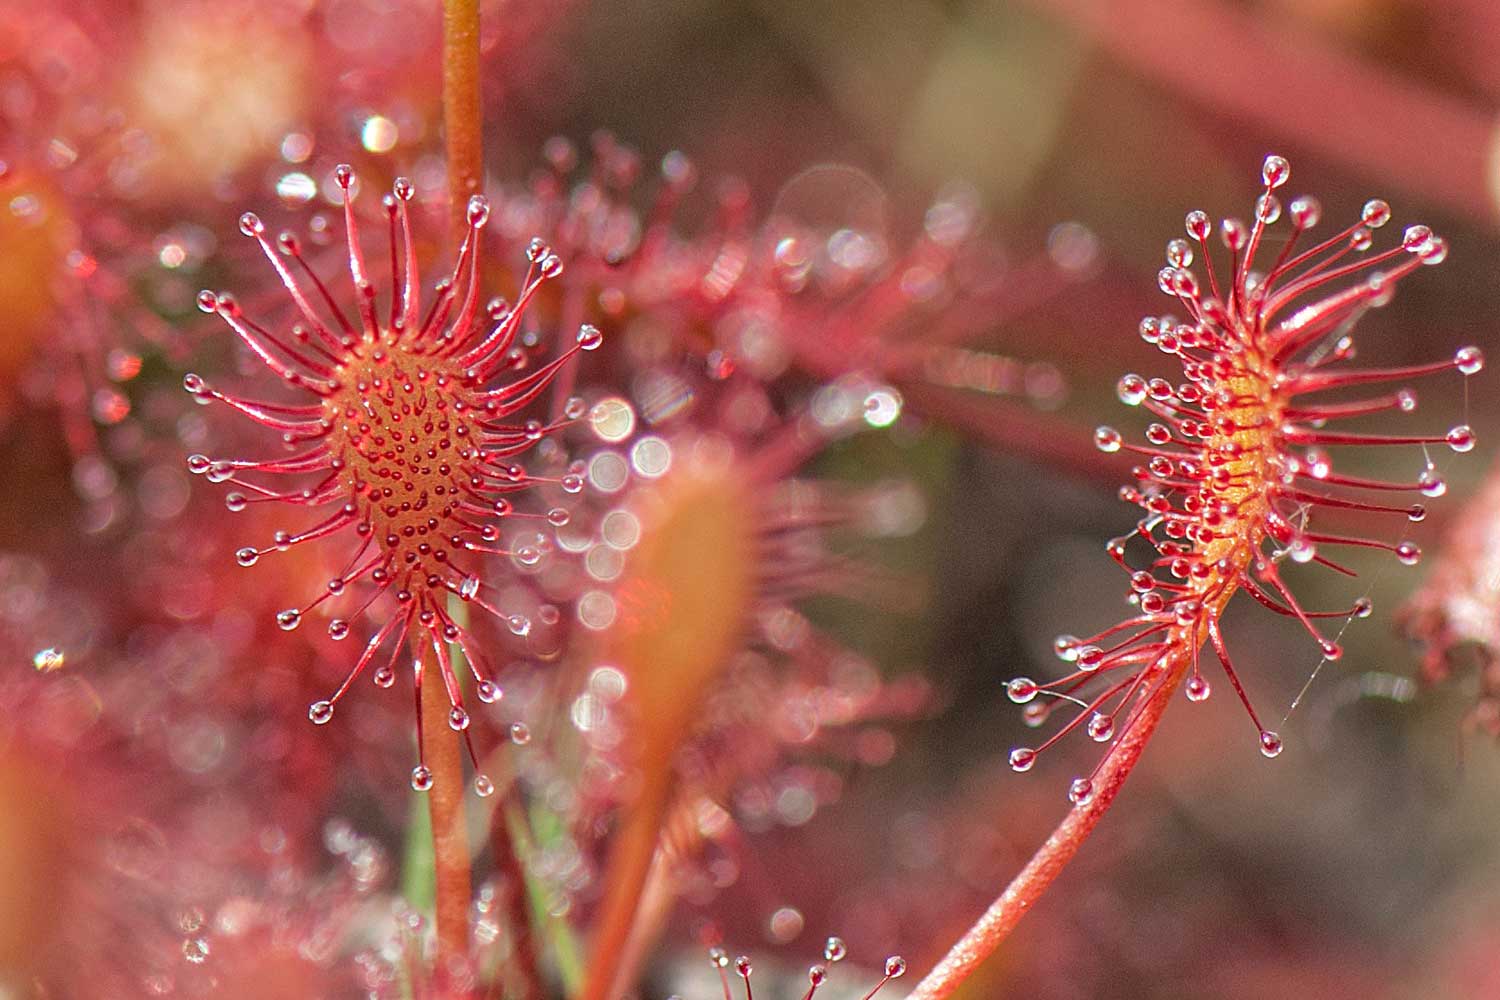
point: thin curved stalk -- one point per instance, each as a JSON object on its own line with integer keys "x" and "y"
{"x": 991, "y": 929}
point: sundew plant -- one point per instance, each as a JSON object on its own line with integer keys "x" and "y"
{"x": 581, "y": 502}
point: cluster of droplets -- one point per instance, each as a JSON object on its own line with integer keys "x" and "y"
{"x": 1237, "y": 459}
{"x": 413, "y": 441}
{"x": 826, "y": 298}
{"x": 834, "y": 951}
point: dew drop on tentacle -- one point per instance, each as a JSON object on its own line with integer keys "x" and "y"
{"x": 1416, "y": 239}
{"x": 320, "y": 712}
{"x": 1267, "y": 209}
{"x": 1131, "y": 390}
{"x": 1197, "y": 689}
{"x": 1022, "y": 759}
{"x": 478, "y": 210}
{"x": 1080, "y": 791}
{"x": 1021, "y": 690}
{"x": 421, "y": 778}
{"x": 1275, "y": 171}
{"x": 1469, "y": 360}
{"x": 1101, "y": 728}
{"x": 1270, "y": 744}
{"x": 1198, "y": 225}
{"x": 1305, "y": 212}
{"x": 1234, "y": 234}
{"x": 1066, "y": 648}
{"x": 834, "y": 950}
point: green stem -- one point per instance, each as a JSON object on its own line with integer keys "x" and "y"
{"x": 555, "y": 931}
{"x": 523, "y": 965}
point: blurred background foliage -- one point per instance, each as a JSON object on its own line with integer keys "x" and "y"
{"x": 1365, "y": 861}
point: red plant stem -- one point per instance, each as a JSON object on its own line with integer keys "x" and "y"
{"x": 462, "y": 120}
{"x": 1376, "y": 122}
{"x": 523, "y": 961}
{"x": 628, "y": 867}
{"x": 1047, "y": 863}
{"x": 453, "y": 886}
{"x": 657, "y": 899}
{"x": 445, "y": 804}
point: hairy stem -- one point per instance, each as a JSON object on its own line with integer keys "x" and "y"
{"x": 445, "y": 803}
{"x": 462, "y": 122}
{"x": 1047, "y": 863}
